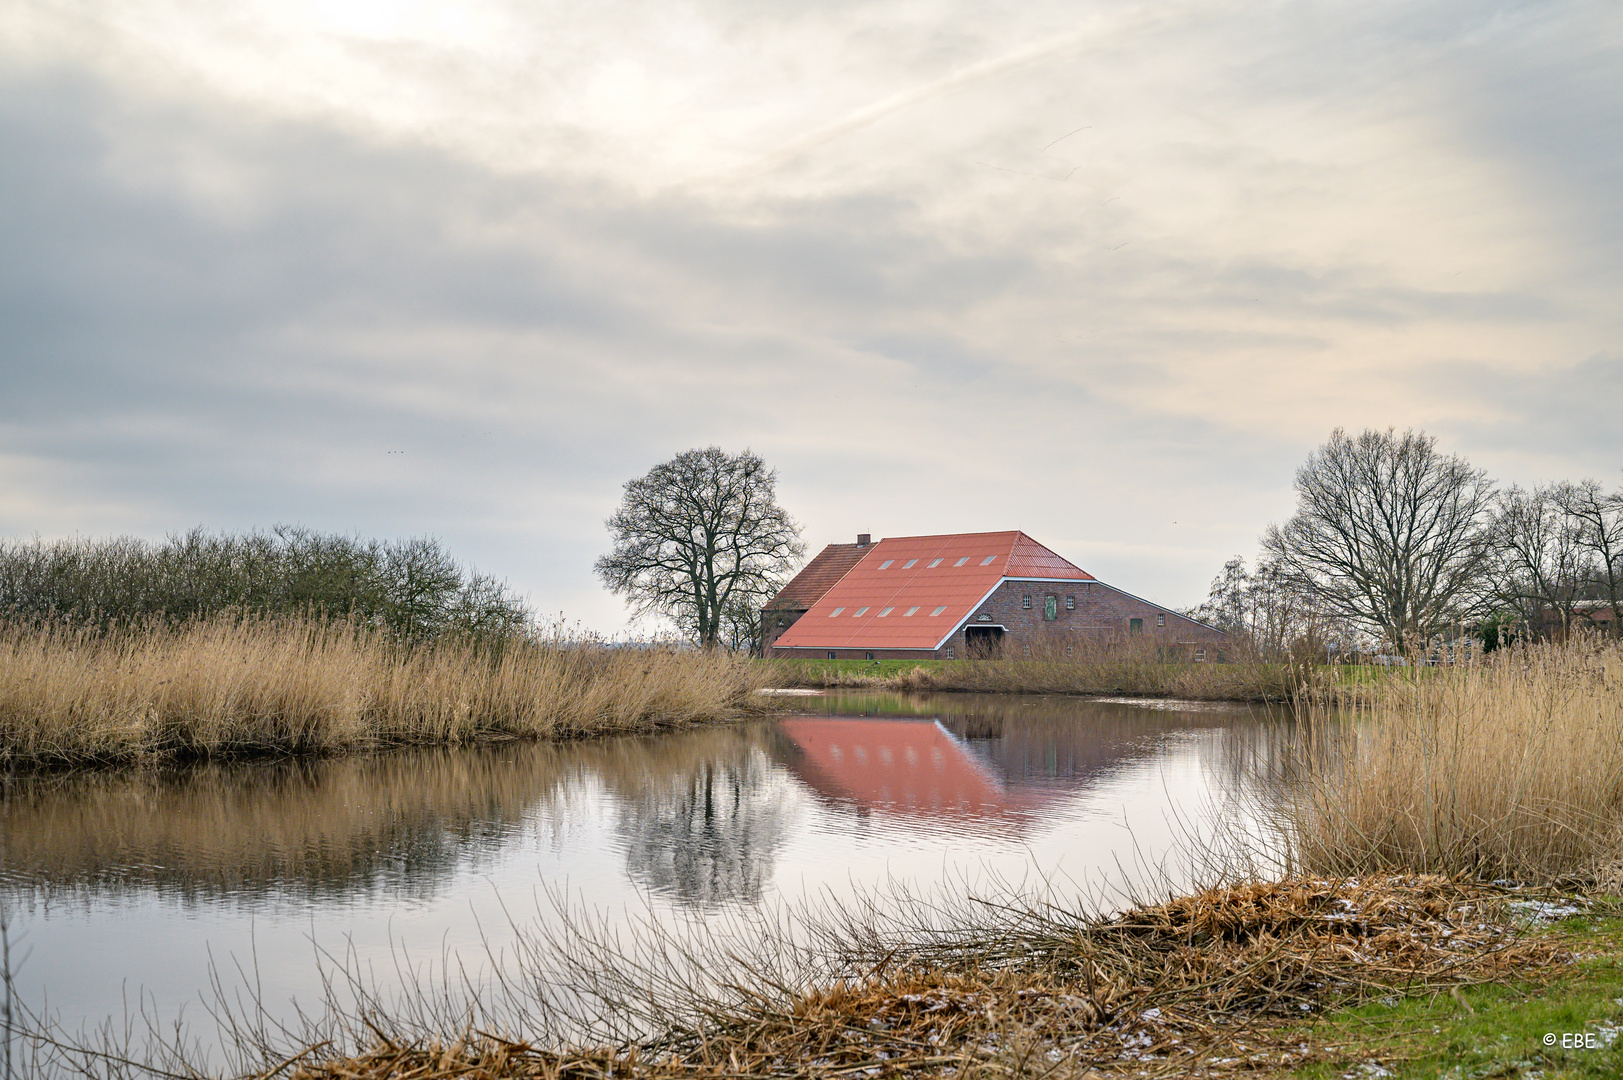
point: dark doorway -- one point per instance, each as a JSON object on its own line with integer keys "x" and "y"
{"x": 983, "y": 642}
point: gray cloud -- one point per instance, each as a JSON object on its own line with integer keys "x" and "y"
{"x": 1276, "y": 222}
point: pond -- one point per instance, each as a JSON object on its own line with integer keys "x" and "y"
{"x": 124, "y": 884}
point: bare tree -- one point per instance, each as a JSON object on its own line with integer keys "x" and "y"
{"x": 696, "y": 534}
{"x": 1599, "y": 517}
{"x": 1540, "y": 563}
{"x": 1387, "y": 532}
{"x": 1269, "y": 610}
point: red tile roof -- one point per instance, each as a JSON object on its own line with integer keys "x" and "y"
{"x": 818, "y": 576}
{"x": 911, "y": 592}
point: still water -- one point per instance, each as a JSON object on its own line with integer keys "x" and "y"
{"x": 118, "y": 884}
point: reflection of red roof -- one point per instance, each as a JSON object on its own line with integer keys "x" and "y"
{"x": 911, "y": 592}
{"x": 895, "y": 765}
{"x": 818, "y": 576}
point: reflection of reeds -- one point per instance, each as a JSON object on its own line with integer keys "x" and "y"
{"x": 325, "y": 826}
{"x": 1512, "y": 768}
{"x": 231, "y": 687}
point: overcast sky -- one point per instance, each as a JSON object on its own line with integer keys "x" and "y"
{"x": 1105, "y": 272}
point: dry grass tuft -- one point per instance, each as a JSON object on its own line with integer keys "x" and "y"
{"x": 1197, "y": 985}
{"x": 1508, "y": 769}
{"x": 232, "y": 687}
{"x": 1137, "y": 667}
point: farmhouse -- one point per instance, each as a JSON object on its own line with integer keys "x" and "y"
{"x": 961, "y": 595}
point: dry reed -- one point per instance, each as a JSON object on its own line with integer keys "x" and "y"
{"x": 230, "y": 687}
{"x": 1203, "y": 984}
{"x": 1137, "y": 673}
{"x": 1512, "y": 768}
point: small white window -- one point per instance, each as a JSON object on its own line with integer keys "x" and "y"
{"x": 831, "y": 654}
{"x": 859, "y": 613}
{"x": 938, "y": 611}
{"x": 1070, "y": 603}
{"x": 1160, "y": 620}
{"x": 886, "y": 564}
{"x": 1025, "y": 601}
{"x": 988, "y": 560}
{"x": 910, "y": 611}
{"x": 886, "y": 611}
{"x": 835, "y": 612}
{"x": 910, "y": 564}
{"x": 961, "y": 561}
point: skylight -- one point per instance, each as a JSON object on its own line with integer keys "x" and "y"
{"x": 835, "y": 612}
{"x": 961, "y": 561}
{"x": 934, "y": 563}
{"x": 938, "y": 611}
{"x": 886, "y": 564}
{"x": 909, "y": 611}
{"x": 887, "y": 611}
{"x": 859, "y": 613}
{"x": 988, "y": 560}
{"x": 910, "y": 564}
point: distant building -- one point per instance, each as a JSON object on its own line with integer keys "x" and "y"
{"x": 815, "y": 579}
{"x": 961, "y": 595}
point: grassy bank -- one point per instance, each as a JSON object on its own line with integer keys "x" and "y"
{"x": 228, "y": 687}
{"x": 1138, "y": 676}
{"x": 1493, "y": 1030}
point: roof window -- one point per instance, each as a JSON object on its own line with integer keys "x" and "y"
{"x": 988, "y": 560}
{"x": 859, "y": 613}
{"x": 910, "y": 612}
{"x": 961, "y": 561}
{"x": 910, "y": 564}
{"x": 938, "y": 611}
{"x": 886, "y": 564}
{"x": 934, "y": 563}
{"x": 835, "y": 612}
{"x": 885, "y": 612}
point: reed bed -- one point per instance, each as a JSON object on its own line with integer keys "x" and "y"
{"x": 1135, "y": 676}
{"x": 1207, "y": 984}
{"x": 227, "y": 687}
{"x": 1510, "y": 768}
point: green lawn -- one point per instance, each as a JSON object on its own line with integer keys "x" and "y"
{"x": 810, "y": 671}
{"x": 1490, "y": 1031}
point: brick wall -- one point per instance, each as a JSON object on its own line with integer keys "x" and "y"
{"x": 1101, "y": 615}
{"x": 774, "y": 621}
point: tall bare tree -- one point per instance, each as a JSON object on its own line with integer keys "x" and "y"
{"x": 1599, "y": 516}
{"x": 1540, "y": 563}
{"x": 1387, "y": 532}
{"x": 698, "y": 534}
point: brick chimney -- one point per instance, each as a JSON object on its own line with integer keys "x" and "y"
{"x": 864, "y": 539}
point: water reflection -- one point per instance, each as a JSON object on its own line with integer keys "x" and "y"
{"x": 144, "y": 875}
{"x": 707, "y": 835}
{"x": 698, "y": 815}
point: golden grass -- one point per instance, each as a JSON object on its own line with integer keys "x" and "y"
{"x": 226, "y": 687}
{"x": 1511, "y": 768}
{"x": 1248, "y": 681}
